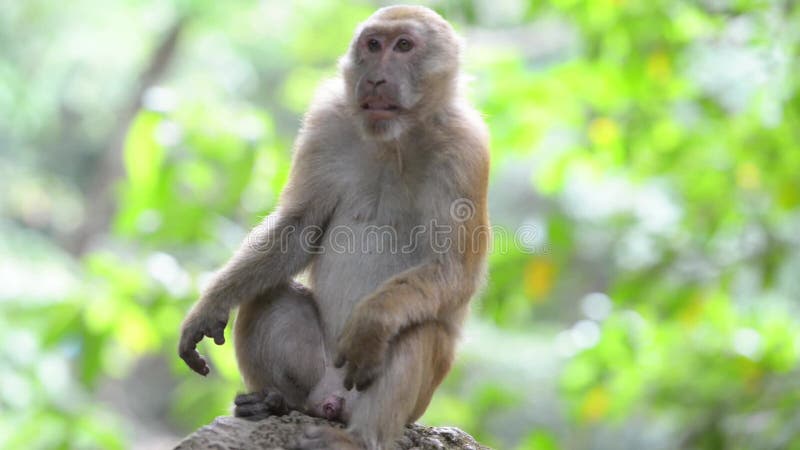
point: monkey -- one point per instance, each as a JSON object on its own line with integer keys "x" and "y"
{"x": 385, "y": 213}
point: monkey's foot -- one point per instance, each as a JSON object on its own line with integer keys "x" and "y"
{"x": 259, "y": 405}
{"x": 326, "y": 438}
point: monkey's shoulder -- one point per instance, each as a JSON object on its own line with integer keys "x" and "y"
{"x": 328, "y": 110}
{"x": 461, "y": 143}
{"x": 328, "y": 126}
{"x": 462, "y": 130}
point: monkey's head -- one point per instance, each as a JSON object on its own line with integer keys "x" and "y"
{"x": 402, "y": 67}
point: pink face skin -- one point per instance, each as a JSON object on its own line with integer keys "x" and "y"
{"x": 385, "y": 56}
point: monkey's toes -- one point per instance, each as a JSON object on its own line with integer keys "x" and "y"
{"x": 252, "y": 397}
{"x": 259, "y": 405}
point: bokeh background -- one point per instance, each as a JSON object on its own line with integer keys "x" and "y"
{"x": 653, "y": 147}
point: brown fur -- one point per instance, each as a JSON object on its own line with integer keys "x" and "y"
{"x": 392, "y": 143}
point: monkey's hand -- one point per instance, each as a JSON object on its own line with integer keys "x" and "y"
{"x": 362, "y": 348}
{"x": 202, "y": 321}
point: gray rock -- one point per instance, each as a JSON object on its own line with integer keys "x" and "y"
{"x": 279, "y": 433}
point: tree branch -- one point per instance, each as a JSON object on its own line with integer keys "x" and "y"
{"x": 100, "y": 196}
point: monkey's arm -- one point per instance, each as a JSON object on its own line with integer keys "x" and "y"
{"x": 428, "y": 292}
{"x": 275, "y": 251}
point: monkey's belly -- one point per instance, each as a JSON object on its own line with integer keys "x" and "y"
{"x": 355, "y": 262}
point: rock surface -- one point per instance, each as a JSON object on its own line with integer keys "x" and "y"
{"x": 279, "y": 433}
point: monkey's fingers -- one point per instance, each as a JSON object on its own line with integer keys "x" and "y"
{"x": 339, "y": 361}
{"x": 360, "y": 377}
{"x": 218, "y": 334}
{"x": 348, "y": 378}
{"x": 363, "y": 378}
{"x": 195, "y": 362}
{"x": 188, "y": 353}
{"x": 364, "y": 381}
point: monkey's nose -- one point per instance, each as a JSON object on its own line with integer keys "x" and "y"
{"x": 376, "y": 83}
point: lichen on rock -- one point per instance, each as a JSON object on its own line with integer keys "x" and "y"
{"x": 281, "y": 432}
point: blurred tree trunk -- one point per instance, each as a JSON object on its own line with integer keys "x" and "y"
{"x": 100, "y": 198}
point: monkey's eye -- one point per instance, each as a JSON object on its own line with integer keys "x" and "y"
{"x": 373, "y": 45}
{"x": 403, "y": 45}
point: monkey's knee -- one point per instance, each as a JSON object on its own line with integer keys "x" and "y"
{"x": 279, "y": 344}
{"x": 425, "y": 354}
{"x": 417, "y": 362}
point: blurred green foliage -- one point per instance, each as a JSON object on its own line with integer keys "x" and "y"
{"x": 653, "y": 145}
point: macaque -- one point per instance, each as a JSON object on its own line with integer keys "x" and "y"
{"x": 385, "y": 212}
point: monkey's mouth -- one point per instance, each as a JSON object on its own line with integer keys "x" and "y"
{"x": 378, "y": 109}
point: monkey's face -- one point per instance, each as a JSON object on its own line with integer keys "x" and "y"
{"x": 400, "y": 67}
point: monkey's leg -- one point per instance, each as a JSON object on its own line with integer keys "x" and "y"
{"x": 279, "y": 349}
{"x": 418, "y": 360}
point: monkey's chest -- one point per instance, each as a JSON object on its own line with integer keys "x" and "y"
{"x": 384, "y": 199}
{"x": 385, "y": 224}
{"x": 375, "y": 232}
{"x": 357, "y": 256}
